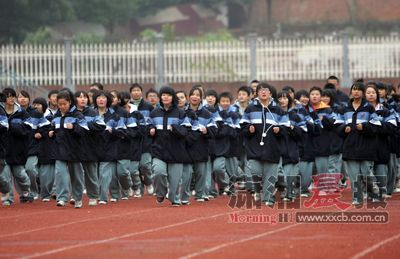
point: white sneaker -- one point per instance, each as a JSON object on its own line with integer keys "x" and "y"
{"x": 61, "y": 203}
{"x": 5, "y": 197}
{"x": 72, "y": 201}
{"x": 92, "y": 202}
{"x": 257, "y": 196}
{"x": 200, "y": 200}
{"x": 130, "y": 192}
{"x": 46, "y": 200}
{"x": 113, "y": 200}
{"x": 36, "y": 197}
{"x": 137, "y": 193}
{"x": 269, "y": 204}
{"x": 150, "y": 189}
{"x": 102, "y": 202}
{"x": 193, "y": 193}
{"x": 124, "y": 198}
{"x": 78, "y": 204}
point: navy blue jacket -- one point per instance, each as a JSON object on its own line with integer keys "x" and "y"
{"x": 37, "y": 122}
{"x": 291, "y": 136}
{"x": 145, "y": 109}
{"x": 17, "y": 136}
{"x": 68, "y": 141}
{"x": 89, "y": 141}
{"x": 358, "y": 145}
{"x": 264, "y": 148}
{"x": 198, "y": 150}
{"x": 321, "y": 143}
{"x": 107, "y": 145}
{"x": 135, "y": 134}
{"x": 169, "y": 142}
{"x": 47, "y": 146}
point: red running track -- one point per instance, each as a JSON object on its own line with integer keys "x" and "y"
{"x": 140, "y": 228}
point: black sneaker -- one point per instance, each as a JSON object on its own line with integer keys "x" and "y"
{"x": 160, "y": 199}
{"x": 26, "y": 197}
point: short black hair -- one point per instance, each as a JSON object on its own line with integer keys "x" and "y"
{"x": 301, "y": 93}
{"x": 332, "y": 77}
{"x": 329, "y": 86}
{"x": 69, "y": 92}
{"x": 152, "y": 90}
{"x": 266, "y": 85}
{"x": 79, "y": 93}
{"x": 135, "y": 85}
{"x": 288, "y": 88}
{"x": 331, "y": 93}
{"x": 212, "y": 92}
{"x": 316, "y": 88}
{"x": 100, "y": 86}
{"x": 245, "y": 88}
{"x": 102, "y": 93}
{"x": 41, "y": 101}
{"x": 124, "y": 98}
{"x": 358, "y": 86}
{"x": 181, "y": 91}
{"x": 225, "y": 95}
{"x": 51, "y": 93}
{"x": 255, "y": 81}
{"x": 9, "y": 92}
{"x": 66, "y": 96}
{"x": 24, "y": 94}
{"x": 196, "y": 89}
{"x": 287, "y": 95}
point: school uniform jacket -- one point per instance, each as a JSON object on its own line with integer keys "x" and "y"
{"x": 68, "y": 141}
{"x": 108, "y": 142}
{"x": 89, "y": 141}
{"x": 358, "y": 145}
{"x": 291, "y": 136}
{"x": 171, "y": 132}
{"x": 37, "y": 122}
{"x": 17, "y": 136}
{"x": 145, "y": 109}
{"x": 321, "y": 143}
{"x": 198, "y": 145}
{"x": 267, "y": 148}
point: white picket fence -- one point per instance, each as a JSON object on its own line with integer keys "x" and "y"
{"x": 373, "y": 57}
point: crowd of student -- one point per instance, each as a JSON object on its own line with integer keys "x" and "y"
{"x": 174, "y": 145}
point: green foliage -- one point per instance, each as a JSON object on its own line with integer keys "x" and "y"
{"x": 86, "y": 38}
{"x": 41, "y": 36}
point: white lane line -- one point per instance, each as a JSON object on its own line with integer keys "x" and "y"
{"x": 374, "y": 247}
{"x": 75, "y": 222}
{"x": 96, "y": 242}
{"x": 25, "y": 214}
{"x": 215, "y": 248}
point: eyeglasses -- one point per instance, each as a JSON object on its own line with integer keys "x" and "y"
{"x": 263, "y": 90}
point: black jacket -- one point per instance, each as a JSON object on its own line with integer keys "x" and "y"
{"x": 169, "y": 140}
{"x": 17, "y": 136}
{"x": 68, "y": 141}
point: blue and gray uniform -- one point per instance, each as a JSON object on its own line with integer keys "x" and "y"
{"x": 69, "y": 171}
{"x": 263, "y": 146}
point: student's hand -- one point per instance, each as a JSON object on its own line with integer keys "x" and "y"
{"x": 109, "y": 130}
{"x": 276, "y": 130}
{"x": 38, "y": 136}
{"x": 70, "y": 126}
{"x": 252, "y": 129}
{"x": 203, "y": 130}
{"x": 359, "y": 126}
{"x": 321, "y": 117}
{"x": 51, "y": 133}
{"x": 152, "y": 132}
{"x": 347, "y": 129}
